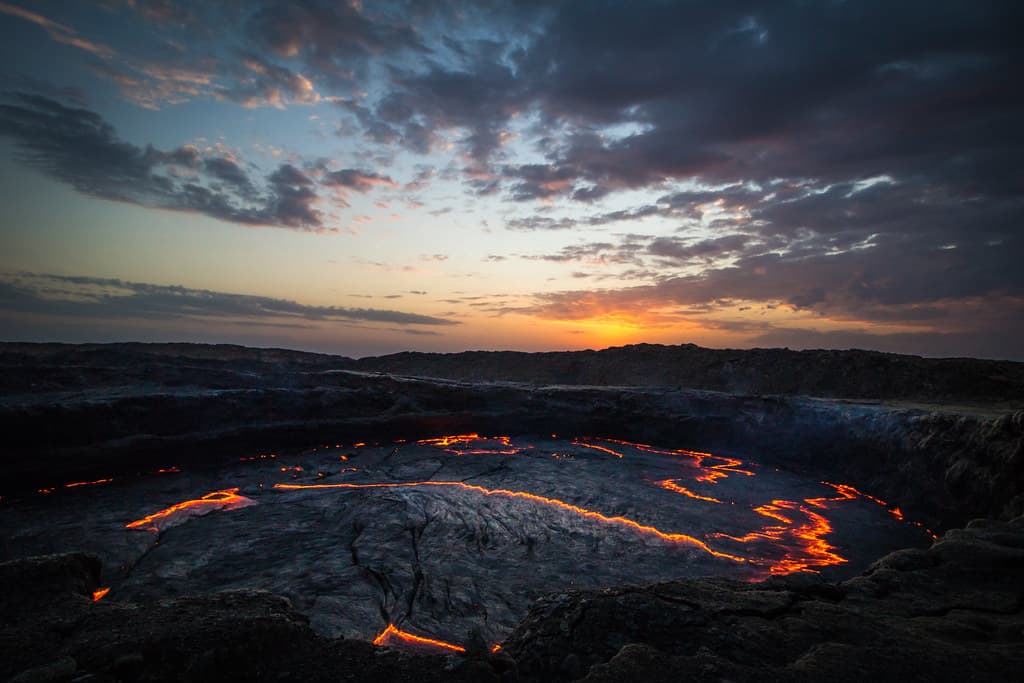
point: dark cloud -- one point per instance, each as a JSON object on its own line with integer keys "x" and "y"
{"x": 353, "y": 179}
{"x": 334, "y": 38}
{"x": 943, "y": 285}
{"x": 77, "y": 147}
{"x": 540, "y": 223}
{"x": 679, "y": 250}
{"x": 111, "y": 298}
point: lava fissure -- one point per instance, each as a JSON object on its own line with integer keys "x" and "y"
{"x": 392, "y": 632}
{"x": 225, "y": 499}
{"x": 590, "y": 514}
{"x": 415, "y": 532}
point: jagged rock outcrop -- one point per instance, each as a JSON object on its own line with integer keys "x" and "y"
{"x": 952, "y": 612}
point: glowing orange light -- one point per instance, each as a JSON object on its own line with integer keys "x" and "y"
{"x": 463, "y": 441}
{"x": 579, "y": 442}
{"x": 392, "y": 633}
{"x": 554, "y": 502}
{"x": 721, "y": 469}
{"x": 168, "y": 470}
{"x": 99, "y": 593}
{"x": 848, "y": 491}
{"x": 95, "y": 482}
{"x": 804, "y": 545}
{"x": 227, "y": 499}
{"x": 671, "y": 485}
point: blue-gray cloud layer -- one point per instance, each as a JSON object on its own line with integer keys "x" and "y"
{"x": 111, "y": 298}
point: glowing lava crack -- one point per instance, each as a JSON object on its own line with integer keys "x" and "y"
{"x": 554, "y": 502}
{"x": 226, "y": 499}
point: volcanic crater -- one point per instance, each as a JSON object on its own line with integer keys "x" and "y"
{"x": 442, "y": 536}
{"x": 440, "y": 516}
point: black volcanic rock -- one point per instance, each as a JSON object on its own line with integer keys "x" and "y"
{"x": 94, "y": 411}
{"x": 60, "y": 633}
{"x": 953, "y": 612}
{"x": 824, "y": 373}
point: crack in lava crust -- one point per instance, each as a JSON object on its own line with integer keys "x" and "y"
{"x": 554, "y": 502}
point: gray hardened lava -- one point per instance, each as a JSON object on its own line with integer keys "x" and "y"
{"x": 456, "y": 534}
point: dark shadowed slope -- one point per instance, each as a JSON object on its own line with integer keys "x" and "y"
{"x": 834, "y": 374}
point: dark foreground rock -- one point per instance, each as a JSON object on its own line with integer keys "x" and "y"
{"x": 952, "y": 612}
{"x": 52, "y": 630}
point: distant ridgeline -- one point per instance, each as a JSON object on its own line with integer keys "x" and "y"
{"x": 853, "y": 374}
{"x": 834, "y": 374}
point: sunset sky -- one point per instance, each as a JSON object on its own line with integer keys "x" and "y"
{"x": 368, "y": 177}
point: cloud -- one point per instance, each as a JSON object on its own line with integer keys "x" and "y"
{"x": 360, "y": 181}
{"x": 335, "y": 38}
{"x": 77, "y": 147}
{"x": 59, "y": 33}
{"x": 118, "y": 299}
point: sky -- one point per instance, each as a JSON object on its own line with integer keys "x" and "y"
{"x": 369, "y": 177}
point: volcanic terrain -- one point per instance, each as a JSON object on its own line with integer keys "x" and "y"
{"x": 654, "y": 511}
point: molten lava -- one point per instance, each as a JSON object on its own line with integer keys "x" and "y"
{"x": 393, "y": 636}
{"x": 846, "y": 490}
{"x": 592, "y": 446}
{"x": 671, "y": 485}
{"x": 459, "y": 444}
{"x": 722, "y": 468}
{"x": 96, "y": 482}
{"x": 227, "y": 499}
{"x": 99, "y": 593}
{"x": 554, "y": 502}
{"x": 803, "y": 544}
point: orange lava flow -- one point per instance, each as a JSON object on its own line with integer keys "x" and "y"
{"x": 554, "y": 502}
{"x": 461, "y": 443}
{"x": 584, "y": 444}
{"x": 99, "y": 593}
{"x": 671, "y": 485}
{"x": 720, "y": 470}
{"x": 76, "y": 484}
{"x": 226, "y": 499}
{"x": 392, "y": 633}
{"x": 805, "y": 545}
{"x": 847, "y": 491}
